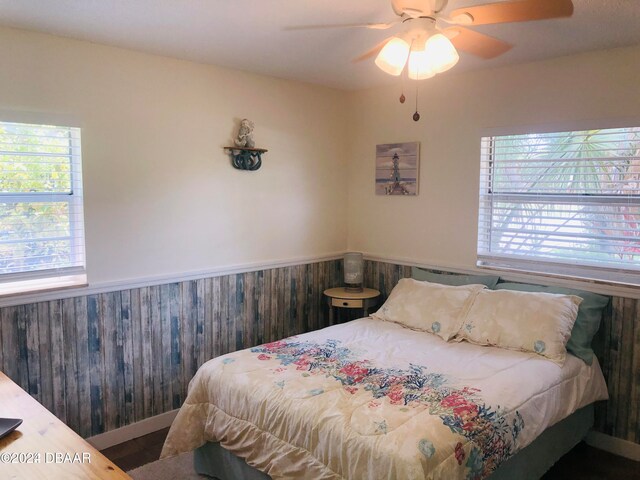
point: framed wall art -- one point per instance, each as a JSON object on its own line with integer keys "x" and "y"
{"x": 397, "y": 168}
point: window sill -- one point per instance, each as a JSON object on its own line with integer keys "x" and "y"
{"x": 41, "y": 285}
{"x": 602, "y": 287}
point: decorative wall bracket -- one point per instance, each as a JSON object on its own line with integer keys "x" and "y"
{"x": 244, "y": 158}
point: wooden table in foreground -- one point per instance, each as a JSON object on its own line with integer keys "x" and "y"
{"x": 55, "y": 451}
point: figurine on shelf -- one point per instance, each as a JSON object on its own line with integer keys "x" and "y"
{"x": 245, "y": 134}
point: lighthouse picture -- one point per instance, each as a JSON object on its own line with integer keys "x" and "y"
{"x": 397, "y": 168}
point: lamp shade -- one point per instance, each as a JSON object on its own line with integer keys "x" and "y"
{"x": 393, "y": 56}
{"x": 353, "y": 271}
{"x": 443, "y": 55}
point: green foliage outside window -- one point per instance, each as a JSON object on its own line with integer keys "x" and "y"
{"x": 568, "y": 195}
{"x": 36, "y": 186}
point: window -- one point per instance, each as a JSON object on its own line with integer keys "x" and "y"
{"x": 41, "y": 216}
{"x": 564, "y": 203}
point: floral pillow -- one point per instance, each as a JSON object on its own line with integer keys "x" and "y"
{"x": 430, "y": 307}
{"x": 530, "y": 322}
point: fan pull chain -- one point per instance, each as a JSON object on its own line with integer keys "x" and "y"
{"x": 416, "y": 116}
{"x": 402, "y": 74}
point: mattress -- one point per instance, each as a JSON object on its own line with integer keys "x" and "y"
{"x": 372, "y": 399}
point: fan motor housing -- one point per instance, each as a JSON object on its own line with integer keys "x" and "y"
{"x": 418, "y": 8}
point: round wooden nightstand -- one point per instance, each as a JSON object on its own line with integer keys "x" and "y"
{"x": 341, "y": 298}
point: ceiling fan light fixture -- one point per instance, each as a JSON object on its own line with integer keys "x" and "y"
{"x": 393, "y": 56}
{"x": 420, "y": 65}
{"x": 442, "y": 54}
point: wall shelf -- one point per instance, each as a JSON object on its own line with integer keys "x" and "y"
{"x": 246, "y": 158}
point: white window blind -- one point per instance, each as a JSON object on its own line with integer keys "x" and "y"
{"x": 563, "y": 203}
{"x": 41, "y": 214}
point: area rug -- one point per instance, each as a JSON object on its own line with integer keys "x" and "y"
{"x": 174, "y": 468}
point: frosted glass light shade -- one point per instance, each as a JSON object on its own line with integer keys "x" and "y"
{"x": 420, "y": 65}
{"x": 443, "y": 55}
{"x": 353, "y": 271}
{"x": 393, "y": 56}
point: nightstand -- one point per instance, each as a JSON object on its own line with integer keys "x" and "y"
{"x": 341, "y": 298}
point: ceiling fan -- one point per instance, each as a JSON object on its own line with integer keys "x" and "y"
{"x": 429, "y": 41}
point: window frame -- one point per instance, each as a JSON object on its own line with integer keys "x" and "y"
{"x": 560, "y": 269}
{"x": 49, "y": 279}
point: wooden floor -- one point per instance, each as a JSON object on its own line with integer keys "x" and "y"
{"x": 588, "y": 463}
{"x": 137, "y": 452}
{"x": 581, "y": 463}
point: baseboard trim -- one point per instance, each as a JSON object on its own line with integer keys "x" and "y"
{"x": 617, "y": 446}
{"x": 134, "y": 430}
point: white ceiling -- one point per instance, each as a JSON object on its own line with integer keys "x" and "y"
{"x": 249, "y": 35}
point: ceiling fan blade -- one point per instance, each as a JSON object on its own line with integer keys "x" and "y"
{"x": 372, "y": 26}
{"x": 373, "y": 52}
{"x": 515, "y": 11}
{"x": 477, "y": 44}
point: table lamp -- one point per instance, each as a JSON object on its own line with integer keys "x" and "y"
{"x": 353, "y": 271}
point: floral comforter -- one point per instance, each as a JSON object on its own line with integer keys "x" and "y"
{"x": 371, "y": 399}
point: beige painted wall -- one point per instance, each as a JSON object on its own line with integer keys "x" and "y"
{"x": 161, "y": 198}
{"x": 439, "y": 226}
{"x": 160, "y": 195}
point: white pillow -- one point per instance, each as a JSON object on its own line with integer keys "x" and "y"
{"x": 430, "y": 307}
{"x": 527, "y": 321}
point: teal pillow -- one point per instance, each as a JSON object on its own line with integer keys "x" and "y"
{"x": 454, "y": 279}
{"x": 588, "y": 320}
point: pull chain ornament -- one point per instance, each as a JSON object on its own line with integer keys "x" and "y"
{"x": 402, "y": 97}
{"x": 416, "y": 116}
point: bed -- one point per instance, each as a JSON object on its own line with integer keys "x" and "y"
{"x": 372, "y": 399}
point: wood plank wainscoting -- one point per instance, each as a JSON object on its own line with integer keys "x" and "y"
{"x": 617, "y": 346}
{"x": 103, "y": 361}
